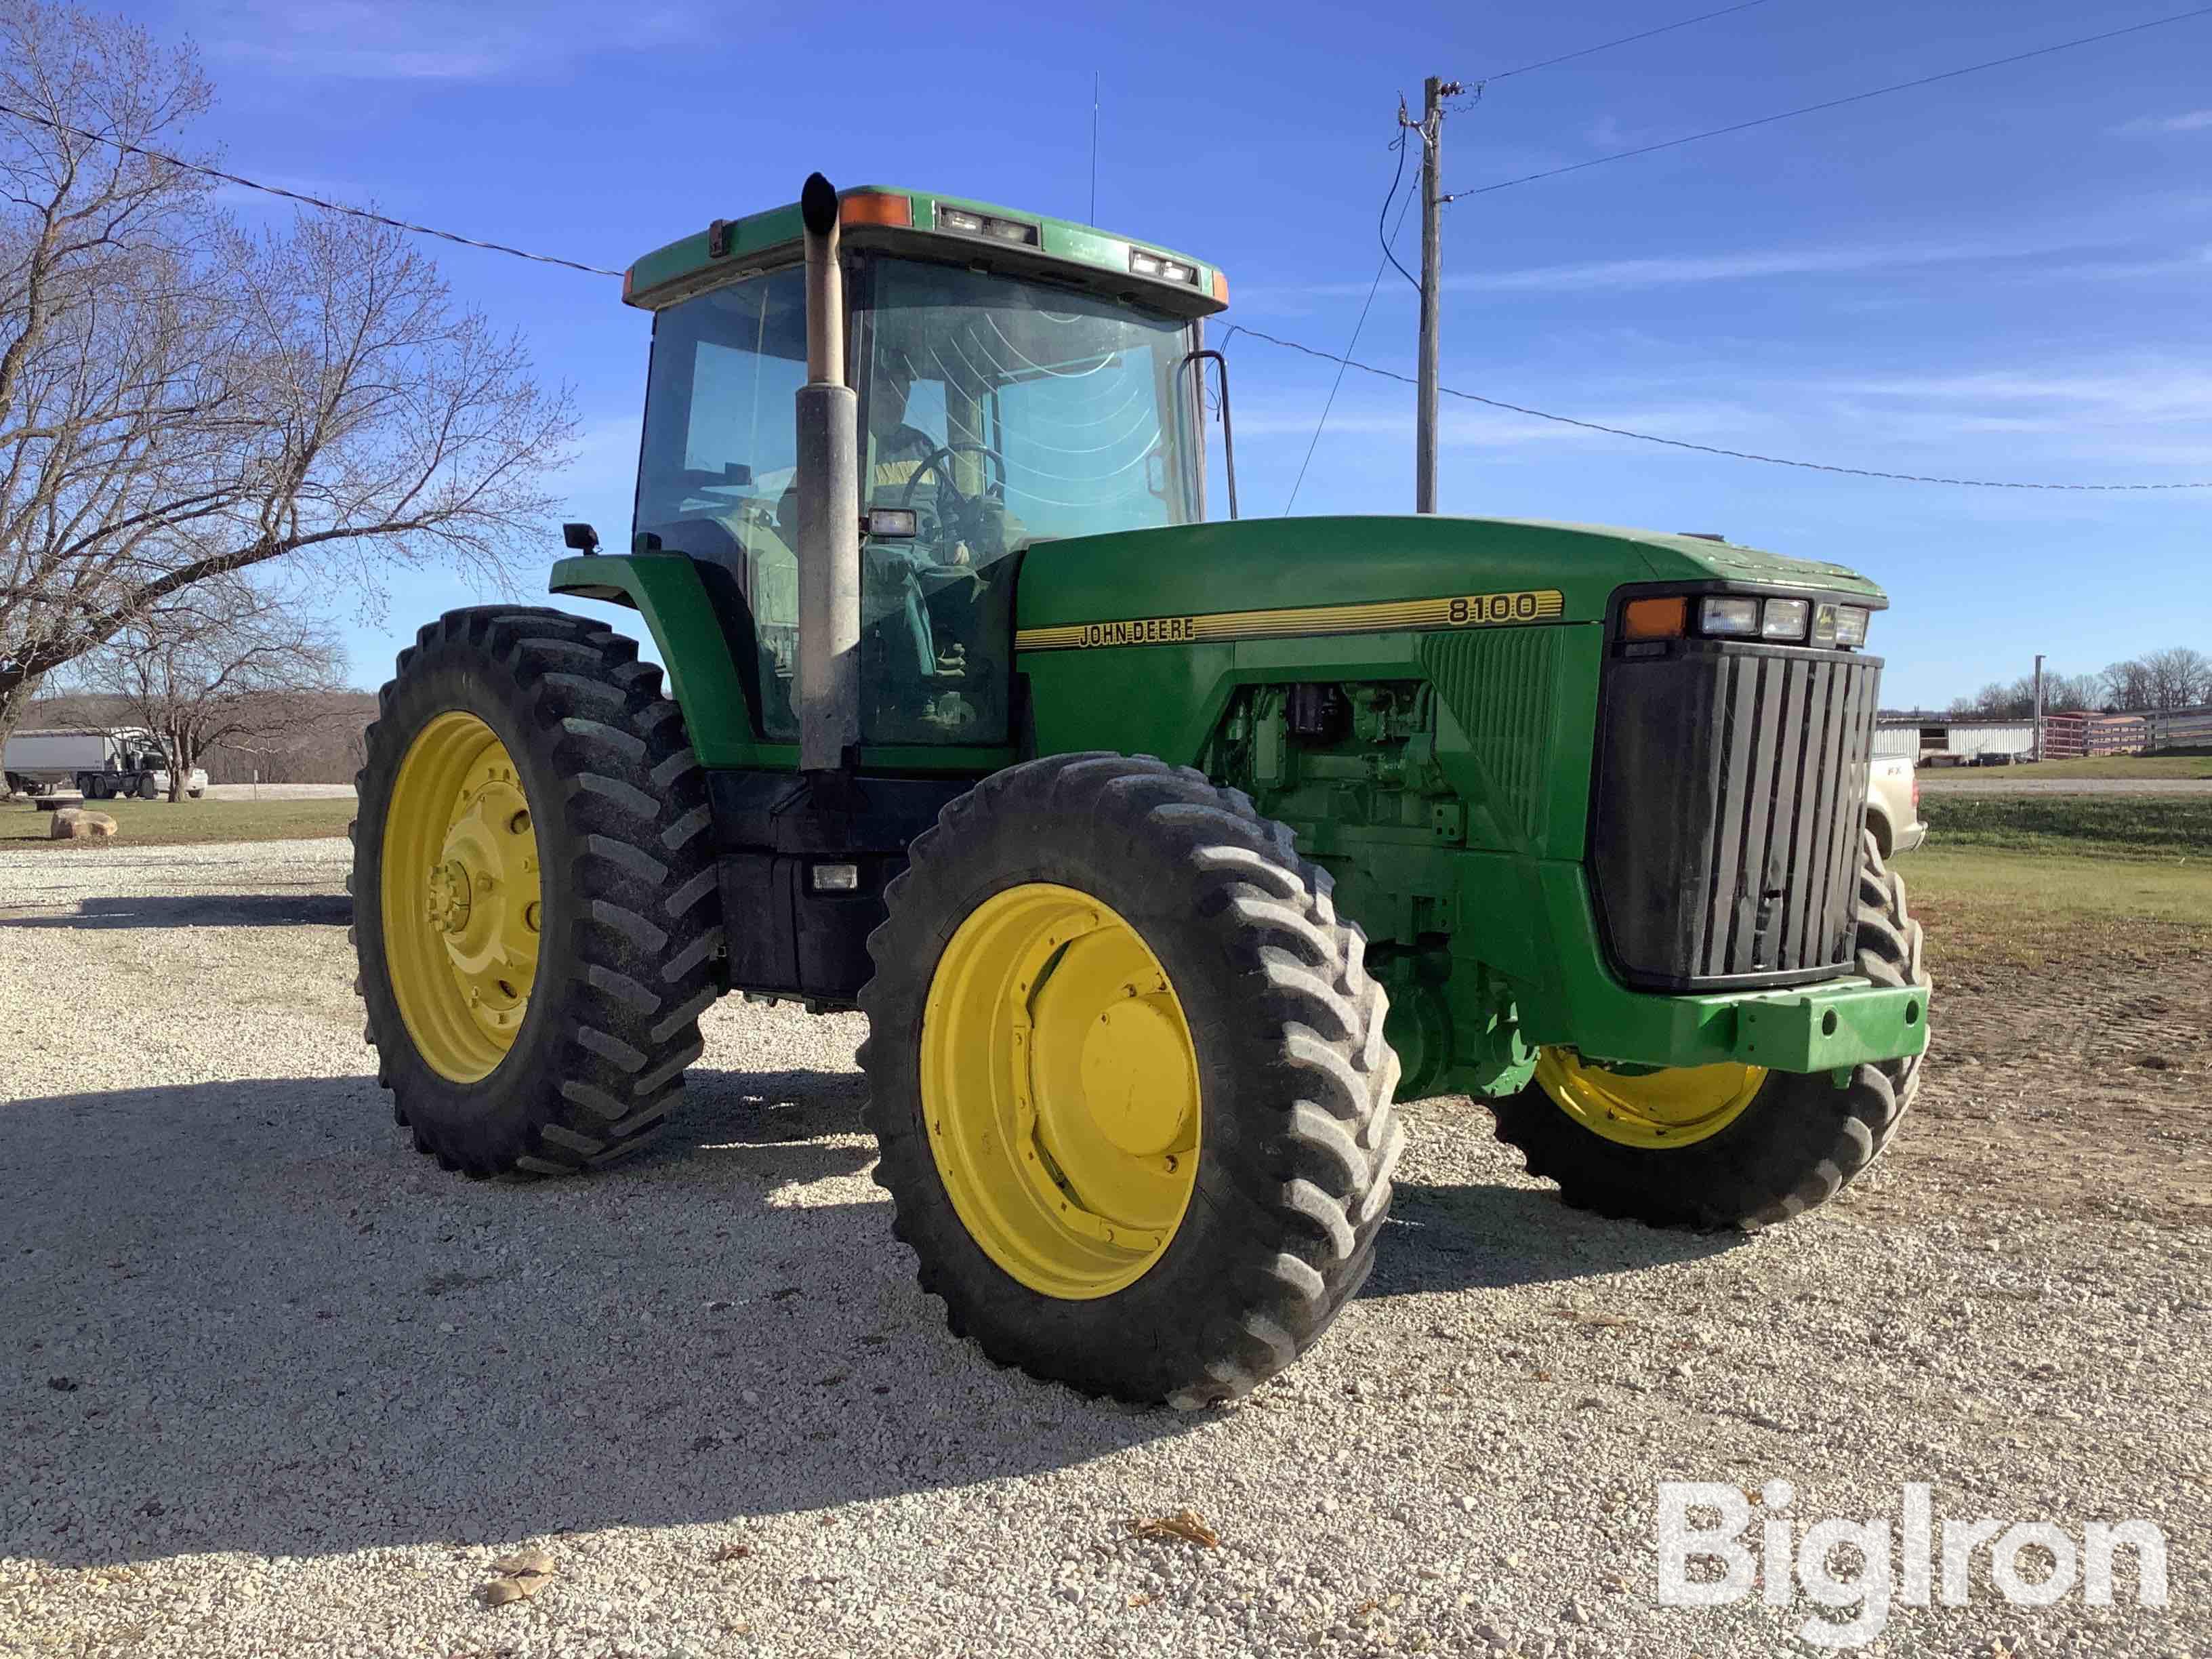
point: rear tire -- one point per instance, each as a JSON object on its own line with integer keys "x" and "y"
{"x": 1294, "y": 1138}
{"x": 629, "y": 921}
{"x": 1797, "y": 1144}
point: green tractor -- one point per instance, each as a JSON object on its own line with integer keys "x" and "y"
{"x": 1162, "y": 855}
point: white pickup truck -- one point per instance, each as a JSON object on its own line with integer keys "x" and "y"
{"x": 98, "y": 761}
{"x": 1892, "y": 809}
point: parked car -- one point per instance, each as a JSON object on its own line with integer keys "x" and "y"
{"x": 1892, "y": 810}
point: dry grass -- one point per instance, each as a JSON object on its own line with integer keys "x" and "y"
{"x": 2101, "y": 766}
{"x": 158, "y": 823}
{"x": 2164, "y": 827}
{"x": 1990, "y": 906}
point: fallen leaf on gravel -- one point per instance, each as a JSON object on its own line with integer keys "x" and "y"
{"x": 1183, "y": 1524}
{"x": 526, "y": 1572}
{"x": 1141, "y": 1599}
{"x": 732, "y": 1553}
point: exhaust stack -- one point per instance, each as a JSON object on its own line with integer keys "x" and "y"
{"x": 829, "y": 506}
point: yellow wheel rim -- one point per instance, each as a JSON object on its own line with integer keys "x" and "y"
{"x": 1060, "y": 1089}
{"x": 1675, "y": 1107}
{"x": 460, "y": 897}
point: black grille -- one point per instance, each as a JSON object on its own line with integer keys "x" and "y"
{"x": 1731, "y": 791}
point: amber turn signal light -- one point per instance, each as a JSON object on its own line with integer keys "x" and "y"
{"x": 1656, "y": 619}
{"x": 875, "y": 208}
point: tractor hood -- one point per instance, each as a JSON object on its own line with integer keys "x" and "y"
{"x": 1257, "y": 563}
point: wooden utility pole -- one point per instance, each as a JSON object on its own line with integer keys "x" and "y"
{"x": 2039, "y": 706}
{"x": 1433, "y": 93}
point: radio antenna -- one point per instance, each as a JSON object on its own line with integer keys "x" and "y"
{"x": 1092, "y": 217}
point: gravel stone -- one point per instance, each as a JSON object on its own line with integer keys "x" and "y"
{"x": 274, "y": 1384}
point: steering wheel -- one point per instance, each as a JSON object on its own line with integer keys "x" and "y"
{"x": 933, "y": 461}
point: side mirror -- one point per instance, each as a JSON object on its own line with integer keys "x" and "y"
{"x": 580, "y": 538}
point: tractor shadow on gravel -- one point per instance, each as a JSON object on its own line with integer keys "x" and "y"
{"x": 1497, "y": 1237}
{"x": 247, "y": 1316}
{"x": 200, "y": 910}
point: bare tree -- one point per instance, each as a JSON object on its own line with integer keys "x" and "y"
{"x": 222, "y": 663}
{"x": 2160, "y": 681}
{"x": 2127, "y": 685}
{"x": 2177, "y": 679}
{"x": 2015, "y": 699}
{"x": 180, "y": 401}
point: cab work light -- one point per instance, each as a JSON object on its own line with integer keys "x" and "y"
{"x": 1142, "y": 264}
{"x": 1850, "y": 624}
{"x": 982, "y": 224}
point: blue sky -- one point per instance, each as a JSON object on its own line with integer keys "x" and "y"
{"x": 2003, "y": 276}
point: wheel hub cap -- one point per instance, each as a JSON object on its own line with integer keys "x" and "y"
{"x": 1061, "y": 1087}
{"x": 463, "y": 952}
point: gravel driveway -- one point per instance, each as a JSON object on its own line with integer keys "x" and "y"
{"x": 273, "y": 1384}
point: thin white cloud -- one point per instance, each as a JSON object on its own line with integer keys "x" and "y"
{"x": 2195, "y": 120}
{"x": 1673, "y": 270}
{"x": 427, "y": 39}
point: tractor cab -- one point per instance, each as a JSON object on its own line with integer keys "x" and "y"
{"x": 1018, "y": 381}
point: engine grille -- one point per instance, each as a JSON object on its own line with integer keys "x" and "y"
{"x": 1731, "y": 791}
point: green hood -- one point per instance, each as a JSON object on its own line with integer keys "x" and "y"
{"x": 1259, "y": 562}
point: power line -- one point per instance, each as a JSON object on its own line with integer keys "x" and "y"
{"x": 1680, "y": 443}
{"x": 205, "y": 171}
{"x": 1389, "y": 259}
{"x": 1832, "y": 103}
{"x": 1625, "y": 40}
{"x": 1389, "y": 252}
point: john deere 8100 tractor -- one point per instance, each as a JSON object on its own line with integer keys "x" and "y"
{"x": 1162, "y": 855}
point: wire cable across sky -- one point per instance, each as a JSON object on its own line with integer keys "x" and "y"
{"x": 1832, "y": 103}
{"x": 207, "y": 171}
{"x": 1235, "y": 329}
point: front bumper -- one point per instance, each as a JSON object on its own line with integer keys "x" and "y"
{"x": 1576, "y": 1002}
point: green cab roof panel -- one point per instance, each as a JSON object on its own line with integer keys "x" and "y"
{"x": 1097, "y": 259}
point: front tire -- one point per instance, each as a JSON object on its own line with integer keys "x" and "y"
{"x": 1725, "y": 1146}
{"x": 535, "y": 909}
{"x": 1127, "y": 1071}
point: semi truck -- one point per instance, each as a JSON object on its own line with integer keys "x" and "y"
{"x": 100, "y": 763}
{"x": 1164, "y": 855}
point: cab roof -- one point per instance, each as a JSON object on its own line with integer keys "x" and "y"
{"x": 975, "y": 234}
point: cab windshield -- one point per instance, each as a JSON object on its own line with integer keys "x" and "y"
{"x": 1003, "y": 412}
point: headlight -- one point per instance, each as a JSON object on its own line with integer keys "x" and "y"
{"x": 1785, "y": 619}
{"x": 1850, "y": 624}
{"x": 1722, "y": 617}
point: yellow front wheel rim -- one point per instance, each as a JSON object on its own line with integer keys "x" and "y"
{"x": 1677, "y": 1106}
{"x": 461, "y": 903}
{"x": 1059, "y": 1086}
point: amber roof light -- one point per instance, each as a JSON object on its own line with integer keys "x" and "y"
{"x": 875, "y": 208}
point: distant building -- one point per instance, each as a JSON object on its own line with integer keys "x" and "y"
{"x": 1921, "y": 734}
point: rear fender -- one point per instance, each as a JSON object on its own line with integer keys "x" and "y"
{"x": 666, "y": 590}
